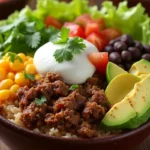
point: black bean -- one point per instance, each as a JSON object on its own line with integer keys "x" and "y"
{"x": 128, "y": 65}
{"x": 126, "y": 56}
{"x": 127, "y": 39}
{"x": 115, "y": 57}
{"x": 109, "y": 49}
{"x": 147, "y": 48}
{"x": 138, "y": 45}
{"x": 146, "y": 56}
{"x": 121, "y": 65}
{"x": 112, "y": 42}
{"x": 120, "y": 46}
{"x": 136, "y": 53}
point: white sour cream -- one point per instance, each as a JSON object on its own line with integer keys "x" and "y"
{"x": 75, "y": 71}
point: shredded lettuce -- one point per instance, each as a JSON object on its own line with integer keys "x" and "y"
{"x": 62, "y": 10}
{"x": 132, "y": 21}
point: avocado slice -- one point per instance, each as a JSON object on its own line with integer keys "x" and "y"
{"x": 120, "y": 86}
{"x": 113, "y": 70}
{"x": 133, "y": 110}
{"x": 142, "y": 76}
{"x": 119, "y": 115}
{"x": 139, "y": 99}
{"x": 140, "y": 67}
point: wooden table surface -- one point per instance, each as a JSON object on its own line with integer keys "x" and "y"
{"x": 143, "y": 146}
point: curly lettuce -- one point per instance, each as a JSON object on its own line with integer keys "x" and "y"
{"x": 62, "y": 10}
{"x": 132, "y": 21}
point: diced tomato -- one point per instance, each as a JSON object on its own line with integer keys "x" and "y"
{"x": 111, "y": 33}
{"x": 101, "y": 23}
{"x": 92, "y": 27}
{"x": 51, "y": 21}
{"x": 75, "y": 29}
{"x": 83, "y": 19}
{"x": 98, "y": 40}
{"x": 99, "y": 60}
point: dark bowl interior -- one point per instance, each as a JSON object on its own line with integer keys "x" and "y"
{"x": 18, "y": 138}
{"x": 8, "y": 7}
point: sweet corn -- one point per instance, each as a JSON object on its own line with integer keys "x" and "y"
{"x": 4, "y": 64}
{"x": 6, "y": 84}
{"x": 30, "y": 60}
{"x": 14, "y": 88}
{"x": 10, "y": 75}
{"x": 4, "y": 95}
{"x": 22, "y": 56}
{"x": 37, "y": 77}
{"x": 20, "y": 79}
{"x": 30, "y": 69}
{"x": 17, "y": 65}
{"x": 3, "y": 74}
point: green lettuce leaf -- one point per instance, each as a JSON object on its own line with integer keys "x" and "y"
{"x": 132, "y": 21}
{"x": 62, "y": 10}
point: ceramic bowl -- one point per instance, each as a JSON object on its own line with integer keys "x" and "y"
{"x": 9, "y": 6}
{"x": 18, "y": 138}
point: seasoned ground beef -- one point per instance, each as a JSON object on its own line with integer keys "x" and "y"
{"x": 77, "y": 111}
{"x": 87, "y": 130}
{"x": 33, "y": 115}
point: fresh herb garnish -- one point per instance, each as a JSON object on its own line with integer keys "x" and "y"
{"x": 70, "y": 46}
{"x": 63, "y": 36}
{"x": 73, "y": 87}
{"x": 13, "y": 57}
{"x": 29, "y": 76}
{"x": 40, "y": 101}
{"x": 25, "y": 33}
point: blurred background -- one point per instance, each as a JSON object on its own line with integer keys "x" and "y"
{"x": 8, "y": 6}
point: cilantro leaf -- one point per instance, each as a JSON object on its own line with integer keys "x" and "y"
{"x": 13, "y": 57}
{"x": 73, "y": 87}
{"x": 29, "y": 76}
{"x": 70, "y": 46}
{"x": 63, "y": 36}
{"x": 76, "y": 44}
{"x": 63, "y": 54}
{"x": 40, "y": 101}
{"x": 33, "y": 40}
{"x": 24, "y": 33}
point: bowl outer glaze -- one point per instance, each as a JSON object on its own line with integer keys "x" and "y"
{"x": 8, "y": 7}
{"x": 18, "y": 138}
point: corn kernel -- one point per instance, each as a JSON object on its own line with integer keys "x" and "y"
{"x": 20, "y": 79}
{"x": 30, "y": 69}
{"x": 6, "y": 58}
{"x": 4, "y": 64}
{"x": 14, "y": 88}
{"x": 3, "y": 74}
{"x": 4, "y": 95}
{"x": 37, "y": 77}
{"x": 10, "y": 75}
{"x": 30, "y": 60}
{"x": 17, "y": 65}
{"x": 6, "y": 84}
{"x": 22, "y": 56}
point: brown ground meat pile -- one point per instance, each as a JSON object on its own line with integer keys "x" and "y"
{"x": 77, "y": 111}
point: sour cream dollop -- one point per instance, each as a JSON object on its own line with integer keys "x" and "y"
{"x": 76, "y": 71}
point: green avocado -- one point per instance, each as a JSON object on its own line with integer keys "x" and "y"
{"x": 119, "y": 115}
{"x": 133, "y": 110}
{"x": 140, "y": 67}
{"x": 139, "y": 99}
{"x": 120, "y": 86}
{"x": 113, "y": 70}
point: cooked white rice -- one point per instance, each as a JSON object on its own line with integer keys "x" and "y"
{"x": 13, "y": 113}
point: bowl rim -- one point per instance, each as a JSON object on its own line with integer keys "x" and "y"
{"x": 107, "y": 139}
{"x": 8, "y": 2}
